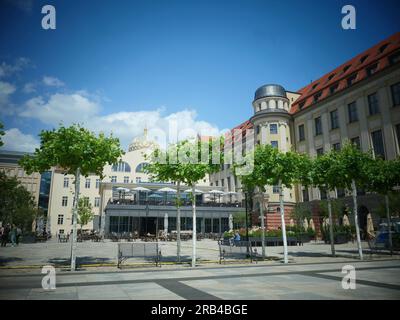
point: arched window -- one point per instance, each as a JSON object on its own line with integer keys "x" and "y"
{"x": 140, "y": 167}
{"x": 121, "y": 167}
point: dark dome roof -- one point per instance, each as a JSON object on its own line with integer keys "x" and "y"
{"x": 270, "y": 90}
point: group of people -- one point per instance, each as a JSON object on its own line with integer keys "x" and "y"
{"x": 10, "y": 233}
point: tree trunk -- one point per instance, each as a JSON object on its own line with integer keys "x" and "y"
{"x": 389, "y": 223}
{"x": 74, "y": 220}
{"x": 331, "y": 224}
{"x": 178, "y": 221}
{"x": 194, "y": 236}
{"x": 262, "y": 224}
{"x": 354, "y": 189}
{"x": 285, "y": 249}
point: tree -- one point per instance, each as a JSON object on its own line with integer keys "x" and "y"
{"x": 1, "y": 134}
{"x": 383, "y": 176}
{"x": 77, "y": 151}
{"x": 326, "y": 178}
{"x": 352, "y": 166}
{"x": 272, "y": 167}
{"x": 85, "y": 212}
{"x": 184, "y": 163}
{"x": 17, "y": 205}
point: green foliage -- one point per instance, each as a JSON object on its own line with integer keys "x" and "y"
{"x": 17, "y": 205}
{"x": 71, "y": 148}
{"x": 383, "y": 175}
{"x": 85, "y": 212}
{"x": 394, "y": 205}
{"x": 336, "y": 205}
{"x": 301, "y": 211}
{"x": 239, "y": 218}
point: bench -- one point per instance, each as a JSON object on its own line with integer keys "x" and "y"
{"x": 237, "y": 250}
{"x": 149, "y": 250}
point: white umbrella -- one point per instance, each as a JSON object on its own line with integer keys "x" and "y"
{"x": 140, "y": 189}
{"x": 166, "y": 189}
{"x": 305, "y": 224}
{"x": 195, "y": 190}
{"x": 122, "y": 189}
{"x": 312, "y": 226}
{"x": 346, "y": 221}
{"x": 216, "y": 192}
{"x": 230, "y": 222}
{"x": 166, "y": 223}
{"x": 231, "y": 193}
{"x": 370, "y": 226}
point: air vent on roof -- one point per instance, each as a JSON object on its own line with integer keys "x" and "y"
{"x": 383, "y": 47}
{"x": 363, "y": 58}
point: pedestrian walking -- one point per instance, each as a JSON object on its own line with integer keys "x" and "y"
{"x": 13, "y": 235}
{"x": 19, "y": 235}
{"x": 4, "y": 237}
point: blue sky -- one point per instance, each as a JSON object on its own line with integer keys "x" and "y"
{"x": 120, "y": 65}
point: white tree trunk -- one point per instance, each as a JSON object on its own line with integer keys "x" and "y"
{"x": 285, "y": 249}
{"x": 74, "y": 220}
{"x": 178, "y": 221}
{"x": 262, "y": 225}
{"x": 194, "y": 235}
{"x": 389, "y": 223}
{"x": 331, "y": 224}
{"x": 354, "y": 189}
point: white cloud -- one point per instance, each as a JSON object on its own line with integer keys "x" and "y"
{"x": 6, "y": 89}
{"x": 15, "y": 140}
{"x": 7, "y": 70}
{"x": 66, "y": 108}
{"x": 29, "y": 87}
{"x": 82, "y": 108}
{"x": 52, "y": 81}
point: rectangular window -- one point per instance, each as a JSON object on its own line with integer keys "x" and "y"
{"x": 352, "y": 109}
{"x": 336, "y": 146}
{"x": 126, "y": 179}
{"x": 216, "y": 183}
{"x": 340, "y": 192}
{"x": 323, "y": 194}
{"x": 395, "y": 89}
{"x": 60, "y": 219}
{"x": 138, "y": 179}
{"x": 275, "y": 189}
{"x": 356, "y": 142}
{"x": 97, "y": 202}
{"x": 320, "y": 151}
{"x": 302, "y": 135}
{"x": 317, "y": 96}
{"x": 258, "y": 129}
{"x": 97, "y": 183}
{"x": 273, "y": 128}
{"x": 274, "y": 144}
{"x": 66, "y": 182}
{"x": 64, "y": 202}
{"x": 377, "y": 143}
{"x": 86, "y": 201}
{"x": 228, "y": 181}
{"x": 318, "y": 126}
{"x": 114, "y": 179}
{"x": 333, "y": 88}
{"x": 334, "y": 119}
{"x": 373, "y": 105}
{"x": 87, "y": 183}
{"x": 398, "y": 134}
{"x": 222, "y": 183}
{"x": 305, "y": 195}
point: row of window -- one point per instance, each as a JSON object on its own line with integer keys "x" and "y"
{"x": 340, "y": 193}
{"x": 373, "y": 108}
{"x": 87, "y": 183}
{"x": 372, "y": 69}
{"x": 273, "y": 128}
{"x": 125, "y": 167}
{"x": 126, "y": 179}
{"x": 64, "y": 201}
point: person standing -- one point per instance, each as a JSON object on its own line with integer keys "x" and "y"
{"x": 4, "y": 237}
{"x": 19, "y": 234}
{"x": 13, "y": 235}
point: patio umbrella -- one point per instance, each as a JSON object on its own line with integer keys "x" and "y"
{"x": 305, "y": 224}
{"x": 312, "y": 226}
{"x": 122, "y": 189}
{"x": 231, "y": 193}
{"x": 140, "y": 189}
{"x": 195, "y": 190}
{"x": 166, "y": 223}
{"x": 370, "y": 226}
{"x": 291, "y": 223}
{"x": 166, "y": 190}
{"x": 346, "y": 221}
{"x": 230, "y": 222}
{"x": 216, "y": 192}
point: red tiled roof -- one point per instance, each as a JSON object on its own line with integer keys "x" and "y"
{"x": 243, "y": 126}
{"x": 358, "y": 66}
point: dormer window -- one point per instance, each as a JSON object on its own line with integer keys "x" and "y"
{"x": 301, "y": 105}
{"x": 346, "y": 68}
{"x": 331, "y": 76}
{"x": 383, "y": 47}
{"x": 333, "y": 89}
{"x": 351, "y": 79}
{"x": 372, "y": 69}
{"x": 363, "y": 58}
{"x": 394, "y": 58}
{"x": 317, "y": 96}
{"x": 314, "y": 86}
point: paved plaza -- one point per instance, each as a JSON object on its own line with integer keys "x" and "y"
{"x": 311, "y": 274}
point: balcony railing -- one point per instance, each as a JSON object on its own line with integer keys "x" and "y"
{"x": 130, "y": 202}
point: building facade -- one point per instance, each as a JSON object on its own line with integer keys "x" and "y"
{"x": 359, "y": 102}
